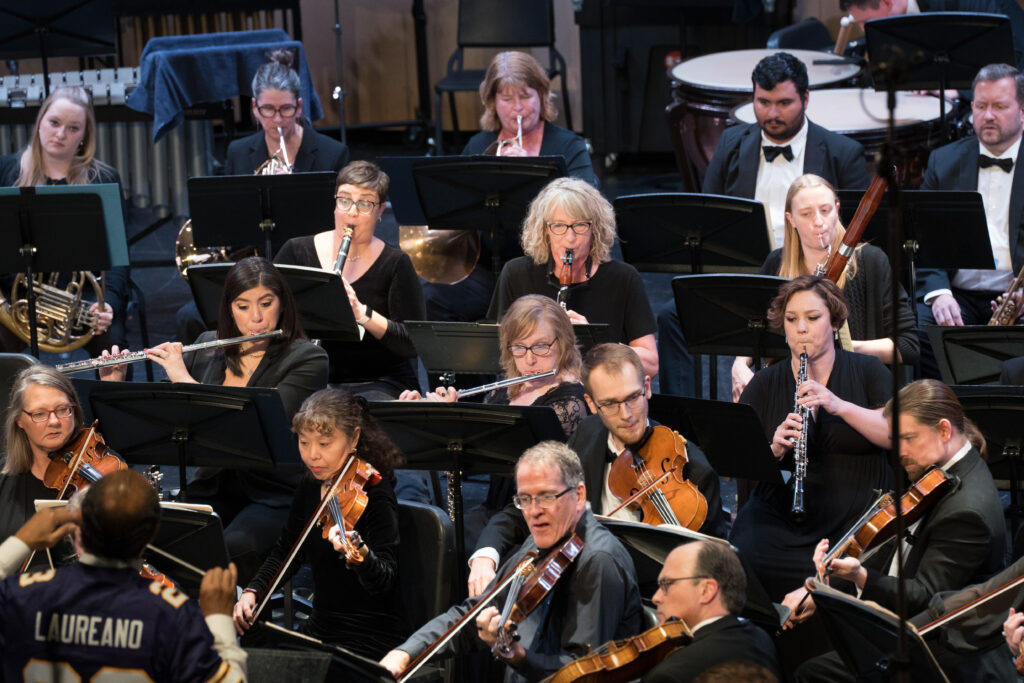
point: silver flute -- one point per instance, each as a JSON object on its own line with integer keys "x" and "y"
{"x": 798, "y": 512}
{"x": 483, "y": 388}
{"x": 137, "y": 356}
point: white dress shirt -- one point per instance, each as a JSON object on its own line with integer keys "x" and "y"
{"x": 774, "y": 179}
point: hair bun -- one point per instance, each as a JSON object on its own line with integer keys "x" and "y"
{"x": 283, "y": 57}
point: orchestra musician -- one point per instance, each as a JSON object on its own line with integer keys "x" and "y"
{"x": 355, "y": 602}
{"x": 595, "y": 599}
{"x": 571, "y": 216}
{"x": 617, "y": 391}
{"x": 382, "y": 286}
{"x": 134, "y": 627}
{"x": 961, "y": 541}
{"x": 277, "y": 103}
{"x": 252, "y": 504}
{"x": 846, "y": 437}
{"x": 703, "y": 584}
{"x": 43, "y": 415}
{"x": 760, "y": 161}
{"x": 535, "y": 336}
{"x": 813, "y": 232}
{"x": 62, "y": 151}
{"x": 986, "y": 163}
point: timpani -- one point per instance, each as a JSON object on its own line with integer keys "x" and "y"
{"x": 706, "y": 88}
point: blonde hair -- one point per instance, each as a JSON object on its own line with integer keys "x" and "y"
{"x": 792, "y": 264}
{"x": 514, "y": 69}
{"x": 583, "y": 202}
{"x": 19, "y": 450}
{"x": 521, "y": 319}
{"x": 85, "y": 167}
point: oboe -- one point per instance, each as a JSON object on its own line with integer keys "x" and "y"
{"x": 565, "y": 279}
{"x": 346, "y": 240}
{"x": 798, "y": 511}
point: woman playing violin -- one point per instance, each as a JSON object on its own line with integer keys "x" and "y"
{"x": 355, "y": 603}
{"x": 570, "y": 215}
{"x": 812, "y": 233}
{"x": 42, "y": 416}
{"x": 847, "y": 435}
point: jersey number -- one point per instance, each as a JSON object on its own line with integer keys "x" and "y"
{"x": 42, "y": 671}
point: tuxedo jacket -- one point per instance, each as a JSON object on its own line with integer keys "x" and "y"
{"x": 729, "y": 639}
{"x": 317, "y": 152}
{"x": 733, "y": 169}
{"x": 961, "y": 541}
{"x": 955, "y": 167}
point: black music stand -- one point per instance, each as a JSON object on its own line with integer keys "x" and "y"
{"x": 865, "y": 637}
{"x": 974, "y": 354}
{"x": 195, "y": 537}
{"x": 936, "y": 50}
{"x": 727, "y": 315}
{"x": 60, "y": 229}
{"x": 999, "y": 412}
{"x": 464, "y": 438}
{"x": 319, "y": 297}
{"x": 56, "y": 28}
{"x": 485, "y": 193}
{"x": 237, "y": 209}
{"x": 676, "y": 232}
{"x": 164, "y": 423}
{"x": 345, "y": 665}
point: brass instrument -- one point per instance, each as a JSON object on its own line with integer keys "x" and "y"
{"x": 138, "y": 356}
{"x": 278, "y": 163}
{"x": 798, "y": 512}
{"x": 1007, "y": 305}
{"x": 518, "y": 139}
{"x": 63, "y": 319}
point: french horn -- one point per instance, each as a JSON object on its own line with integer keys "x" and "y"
{"x": 63, "y": 319}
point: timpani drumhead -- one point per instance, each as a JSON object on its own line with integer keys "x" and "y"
{"x": 852, "y": 110}
{"x": 731, "y": 70}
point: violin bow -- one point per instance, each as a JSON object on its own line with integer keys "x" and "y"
{"x": 654, "y": 484}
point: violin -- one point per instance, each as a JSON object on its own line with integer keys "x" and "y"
{"x": 878, "y": 524}
{"x": 651, "y": 480}
{"x": 626, "y": 660}
{"x": 564, "y": 279}
{"x": 527, "y": 595}
{"x": 82, "y": 461}
{"x": 347, "y": 504}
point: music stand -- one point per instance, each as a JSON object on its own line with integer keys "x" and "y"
{"x": 464, "y": 438}
{"x": 345, "y": 665}
{"x": 676, "y": 232}
{"x": 974, "y": 354}
{"x": 193, "y": 536}
{"x": 320, "y": 298}
{"x": 485, "y": 193}
{"x": 936, "y": 50}
{"x": 865, "y": 636}
{"x": 236, "y": 209}
{"x": 56, "y": 28}
{"x": 162, "y": 423}
{"x": 727, "y": 315}
{"x": 59, "y": 229}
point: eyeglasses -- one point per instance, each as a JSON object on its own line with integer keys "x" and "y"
{"x": 270, "y": 111}
{"x": 363, "y": 206}
{"x": 610, "y": 408}
{"x": 544, "y": 500}
{"x": 665, "y": 584}
{"x": 63, "y": 412}
{"x": 579, "y": 227}
{"x": 539, "y": 350}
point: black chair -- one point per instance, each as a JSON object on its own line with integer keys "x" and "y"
{"x": 497, "y": 24}
{"x": 809, "y": 34}
{"x": 426, "y": 561}
{"x": 10, "y": 365}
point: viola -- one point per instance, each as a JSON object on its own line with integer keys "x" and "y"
{"x": 878, "y": 524}
{"x": 628, "y": 659}
{"x": 347, "y": 504}
{"x": 525, "y": 597}
{"x": 82, "y": 461}
{"x": 651, "y": 480}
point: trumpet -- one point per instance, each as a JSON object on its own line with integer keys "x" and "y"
{"x": 1007, "y": 305}
{"x": 137, "y": 356}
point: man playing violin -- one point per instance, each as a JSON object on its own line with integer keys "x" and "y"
{"x": 81, "y": 622}
{"x": 594, "y": 600}
{"x": 961, "y": 541}
{"x": 616, "y": 390}
{"x": 703, "y": 584}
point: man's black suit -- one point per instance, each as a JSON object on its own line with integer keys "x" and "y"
{"x": 729, "y": 639}
{"x": 590, "y": 442}
{"x": 317, "y": 152}
{"x": 733, "y": 169}
{"x": 1008, "y": 7}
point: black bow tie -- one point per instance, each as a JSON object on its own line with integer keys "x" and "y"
{"x": 985, "y": 161}
{"x": 771, "y": 152}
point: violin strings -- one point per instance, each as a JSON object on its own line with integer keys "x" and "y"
{"x": 657, "y": 496}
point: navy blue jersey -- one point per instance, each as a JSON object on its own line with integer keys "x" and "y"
{"x": 102, "y": 623}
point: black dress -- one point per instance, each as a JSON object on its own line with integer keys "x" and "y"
{"x": 358, "y": 607}
{"x": 843, "y": 471}
{"x": 390, "y": 287}
{"x": 565, "y": 398}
